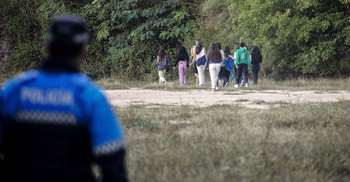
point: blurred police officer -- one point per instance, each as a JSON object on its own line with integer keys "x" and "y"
{"x": 55, "y": 123}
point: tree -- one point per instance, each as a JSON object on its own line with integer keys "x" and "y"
{"x": 300, "y": 37}
{"x": 132, "y": 31}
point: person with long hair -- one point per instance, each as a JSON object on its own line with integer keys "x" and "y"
{"x": 242, "y": 64}
{"x": 224, "y": 73}
{"x": 200, "y": 58}
{"x": 193, "y": 56}
{"x": 256, "y": 59}
{"x": 214, "y": 65}
{"x": 182, "y": 58}
{"x": 162, "y": 63}
{"x": 228, "y": 69}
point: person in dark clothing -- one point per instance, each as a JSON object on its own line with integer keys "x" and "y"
{"x": 224, "y": 72}
{"x": 162, "y": 63}
{"x": 182, "y": 58}
{"x": 256, "y": 60}
{"x": 55, "y": 123}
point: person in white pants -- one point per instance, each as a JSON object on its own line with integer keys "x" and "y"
{"x": 199, "y": 56}
{"x": 214, "y": 65}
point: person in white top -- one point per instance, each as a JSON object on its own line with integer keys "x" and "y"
{"x": 199, "y": 56}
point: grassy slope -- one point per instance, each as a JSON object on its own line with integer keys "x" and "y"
{"x": 308, "y": 142}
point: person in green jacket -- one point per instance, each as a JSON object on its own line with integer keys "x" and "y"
{"x": 242, "y": 64}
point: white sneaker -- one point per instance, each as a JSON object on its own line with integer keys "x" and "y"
{"x": 246, "y": 85}
{"x": 226, "y": 84}
{"x": 216, "y": 88}
{"x": 242, "y": 83}
{"x": 236, "y": 86}
{"x": 212, "y": 90}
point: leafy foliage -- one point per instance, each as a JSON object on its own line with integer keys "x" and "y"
{"x": 133, "y": 30}
{"x": 300, "y": 37}
{"x": 306, "y": 38}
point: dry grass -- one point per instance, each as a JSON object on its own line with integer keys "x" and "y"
{"x": 264, "y": 84}
{"x": 304, "y": 142}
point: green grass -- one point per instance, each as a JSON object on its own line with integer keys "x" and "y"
{"x": 302, "y": 142}
{"x": 322, "y": 85}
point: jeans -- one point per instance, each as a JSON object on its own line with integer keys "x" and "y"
{"x": 224, "y": 75}
{"x": 214, "y": 70}
{"x": 201, "y": 69}
{"x": 255, "y": 72}
{"x": 182, "y": 71}
{"x": 242, "y": 68}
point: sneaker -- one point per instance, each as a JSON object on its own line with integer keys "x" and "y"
{"x": 164, "y": 82}
{"x": 216, "y": 88}
{"x": 226, "y": 84}
{"x": 213, "y": 90}
{"x": 242, "y": 83}
{"x": 236, "y": 86}
{"x": 201, "y": 85}
{"x": 246, "y": 85}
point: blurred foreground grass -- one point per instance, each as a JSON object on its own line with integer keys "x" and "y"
{"x": 302, "y": 142}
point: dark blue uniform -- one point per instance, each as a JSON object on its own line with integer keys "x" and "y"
{"x": 62, "y": 96}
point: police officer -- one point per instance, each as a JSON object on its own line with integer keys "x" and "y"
{"x": 55, "y": 123}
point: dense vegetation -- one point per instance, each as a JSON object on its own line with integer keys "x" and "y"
{"x": 308, "y": 38}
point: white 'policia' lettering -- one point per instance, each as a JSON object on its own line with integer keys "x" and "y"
{"x": 56, "y": 97}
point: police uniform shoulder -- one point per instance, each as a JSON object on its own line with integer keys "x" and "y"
{"x": 23, "y": 78}
{"x": 84, "y": 81}
{"x": 81, "y": 79}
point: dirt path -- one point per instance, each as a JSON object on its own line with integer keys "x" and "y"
{"x": 203, "y": 98}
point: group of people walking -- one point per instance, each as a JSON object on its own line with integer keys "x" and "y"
{"x": 220, "y": 63}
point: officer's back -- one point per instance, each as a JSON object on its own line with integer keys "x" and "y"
{"x": 55, "y": 123}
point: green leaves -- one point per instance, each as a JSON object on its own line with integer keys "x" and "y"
{"x": 129, "y": 26}
{"x": 308, "y": 36}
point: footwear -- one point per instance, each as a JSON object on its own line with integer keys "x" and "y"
{"x": 246, "y": 85}
{"x": 201, "y": 85}
{"x": 216, "y": 88}
{"x": 164, "y": 82}
{"x": 242, "y": 83}
{"x": 226, "y": 84}
{"x": 236, "y": 86}
{"x": 213, "y": 90}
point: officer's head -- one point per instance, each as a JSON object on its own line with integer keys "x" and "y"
{"x": 68, "y": 36}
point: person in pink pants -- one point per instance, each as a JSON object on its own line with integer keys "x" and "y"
{"x": 182, "y": 58}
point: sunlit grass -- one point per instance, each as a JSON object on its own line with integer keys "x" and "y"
{"x": 294, "y": 142}
{"x": 320, "y": 84}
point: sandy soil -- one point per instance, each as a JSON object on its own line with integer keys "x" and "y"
{"x": 203, "y": 98}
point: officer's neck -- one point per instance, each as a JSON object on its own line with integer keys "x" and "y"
{"x": 54, "y": 63}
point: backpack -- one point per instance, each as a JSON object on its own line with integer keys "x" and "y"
{"x": 231, "y": 63}
{"x": 167, "y": 64}
{"x": 201, "y": 61}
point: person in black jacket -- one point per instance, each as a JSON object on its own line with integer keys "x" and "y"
{"x": 182, "y": 58}
{"x": 256, "y": 60}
